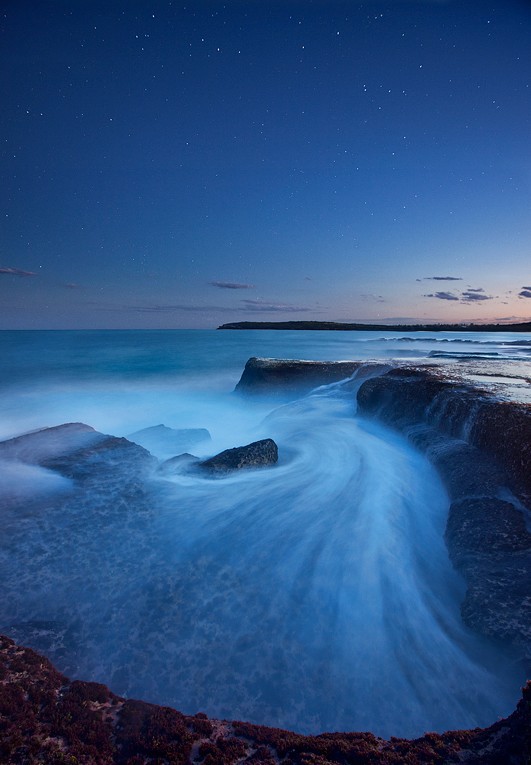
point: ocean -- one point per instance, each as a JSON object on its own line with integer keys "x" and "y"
{"x": 314, "y": 595}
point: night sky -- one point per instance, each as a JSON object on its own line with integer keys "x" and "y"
{"x": 185, "y": 164}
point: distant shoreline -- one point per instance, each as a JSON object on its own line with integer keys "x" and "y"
{"x": 345, "y": 327}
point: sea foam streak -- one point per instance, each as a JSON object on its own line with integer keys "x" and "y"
{"x": 314, "y": 595}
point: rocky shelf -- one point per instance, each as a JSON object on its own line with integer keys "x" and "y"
{"x": 46, "y": 718}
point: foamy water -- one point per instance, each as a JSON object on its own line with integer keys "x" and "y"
{"x": 314, "y": 595}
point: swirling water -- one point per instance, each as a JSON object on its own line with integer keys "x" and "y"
{"x": 314, "y": 595}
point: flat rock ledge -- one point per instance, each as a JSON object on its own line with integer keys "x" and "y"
{"x": 480, "y": 444}
{"x": 283, "y": 376}
{"x": 46, "y": 718}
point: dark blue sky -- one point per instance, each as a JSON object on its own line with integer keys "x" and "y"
{"x": 184, "y": 164}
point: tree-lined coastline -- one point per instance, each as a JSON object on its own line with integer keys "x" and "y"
{"x": 344, "y": 326}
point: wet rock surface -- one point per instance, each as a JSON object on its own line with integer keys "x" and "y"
{"x": 105, "y": 486}
{"x": 491, "y": 546}
{"x": 448, "y": 400}
{"x": 160, "y": 438}
{"x": 79, "y": 452}
{"x": 255, "y": 455}
{"x": 179, "y": 464}
{"x": 285, "y": 376}
{"x": 482, "y": 448}
{"x": 46, "y": 718}
{"x": 37, "y": 446}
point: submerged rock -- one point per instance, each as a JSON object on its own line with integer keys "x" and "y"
{"x": 258, "y": 454}
{"x": 44, "y": 717}
{"x": 107, "y": 472}
{"x": 38, "y": 445}
{"x": 160, "y": 438}
{"x": 180, "y": 463}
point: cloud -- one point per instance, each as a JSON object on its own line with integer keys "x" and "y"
{"x": 232, "y": 285}
{"x": 16, "y": 271}
{"x": 72, "y": 286}
{"x": 264, "y": 307}
{"x": 249, "y": 305}
{"x": 442, "y": 296}
{"x": 443, "y": 278}
{"x": 525, "y": 293}
{"x": 170, "y": 308}
{"x": 512, "y": 319}
{"x": 472, "y": 295}
{"x": 375, "y": 298}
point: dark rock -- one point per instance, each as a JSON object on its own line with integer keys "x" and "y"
{"x": 284, "y": 376}
{"x": 464, "y": 469}
{"x": 489, "y": 543}
{"x": 160, "y": 438}
{"x": 497, "y": 601}
{"x": 409, "y": 395}
{"x": 179, "y": 464}
{"x": 257, "y": 454}
{"x": 479, "y": 445}
{"x": 46, "y": 718}
{"x": 485, "y": 527}
{"x": 503, "y": 430}
{"x": 109, "y": 459}
{"x": 39, "y": 445}
{"x": 109, "y": 475}
{"x": 456, "y": 408}
{"x": 77, "y": 451}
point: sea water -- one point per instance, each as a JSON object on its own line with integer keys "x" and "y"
{"x": 314, "y": 595}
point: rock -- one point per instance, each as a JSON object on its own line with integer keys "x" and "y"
{"x": 490, "y": 545}
{"x": 107, "y": 460}
{"x": 257, "y": 454}
{"x": 485, "y": 527}
{"x": 44, "y": 717}
{"x": 480, "y": 446}
{"x": 37, "y": 446}
{"x": 454, "y": 407}
{"x": 161, "y": 440}
{"x": 179, "y": 464}
{"x": 77, "y": 451}
{"x": 278, "y": 377}
{"x": 503, "y": 429}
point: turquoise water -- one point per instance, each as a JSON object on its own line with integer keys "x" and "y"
{"x": 315, "y": 595}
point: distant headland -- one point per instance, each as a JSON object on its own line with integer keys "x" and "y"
{"x": 342, "y": 326}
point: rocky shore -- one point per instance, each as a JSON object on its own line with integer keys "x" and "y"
{"x": 46, "y": 718}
